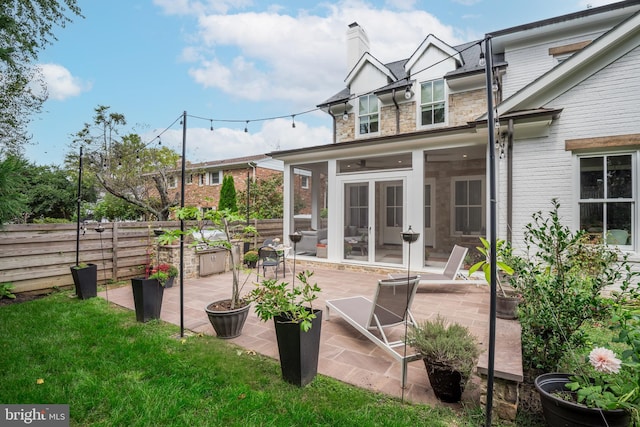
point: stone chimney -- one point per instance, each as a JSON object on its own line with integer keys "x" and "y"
{"x": 357, "y": 44}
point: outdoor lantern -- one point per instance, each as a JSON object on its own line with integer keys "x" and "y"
{"x": 410, "y": 236}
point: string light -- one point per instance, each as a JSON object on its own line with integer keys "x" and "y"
{"x": 211, "y": 125}
{"x": 246, "y": 126}
{"x": 293, "y": 121}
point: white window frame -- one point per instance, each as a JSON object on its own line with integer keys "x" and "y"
{"x": 202, "y": 179}
{"x": 211, "y": 176}
{"x": 482, "y": 205}
{"x": 172, "y": 181}
{"x": 635, "y": 167}
{"x": 368, "y": 115}
{"x": 304, "y": 182}
{"x": 432, "y": 103}
{"x": 189, "y": 179}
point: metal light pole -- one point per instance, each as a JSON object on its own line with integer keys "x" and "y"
{"x": 408, "y": 236}
{"x": 78, "y": 200}
{"x": 492, "y": 228}
{"x": 184, "y": 166}
{"x": 295, "y": 238}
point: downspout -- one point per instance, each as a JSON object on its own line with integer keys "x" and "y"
{"x": 252, "y": 166}
{"x": 333, "y": 119}
{"x": 509, "y": 180}
{"x": 393, "y": 96}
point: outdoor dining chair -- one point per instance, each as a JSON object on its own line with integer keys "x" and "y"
{"x": 268, "y": 257}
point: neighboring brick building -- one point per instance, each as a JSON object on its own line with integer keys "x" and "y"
{"x": 204, "y": 180}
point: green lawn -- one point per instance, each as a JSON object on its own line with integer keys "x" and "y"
{"x": 113, "y": 371}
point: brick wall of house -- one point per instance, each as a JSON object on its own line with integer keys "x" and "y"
{"x": 208, "y": 196}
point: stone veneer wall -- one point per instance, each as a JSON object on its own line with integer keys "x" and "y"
{"x": 170, "y": 254}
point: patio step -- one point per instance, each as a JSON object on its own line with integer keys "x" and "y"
{"x": 507, "y": 368}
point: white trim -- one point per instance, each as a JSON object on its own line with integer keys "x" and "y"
{"x": 483, "y": 206}
{"x": 419, "y": 103}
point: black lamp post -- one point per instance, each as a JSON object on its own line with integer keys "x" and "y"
{"x": 295, "y": 238}
{"x": 408, "y": 236}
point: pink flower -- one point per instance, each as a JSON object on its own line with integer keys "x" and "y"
{"x": 604, "y": 360}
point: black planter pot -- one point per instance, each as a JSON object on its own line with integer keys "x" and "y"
{"x": 298, "y": 350}
{"x": 507, "y": 306}
{"x": 170, "y": 281}
{"x": 227, "y": 324}
{"x": 447, "y": 385}
{"x": 147, "y": 298}
{"x": 561, "y": 413}
{"x": 86, "y": 281}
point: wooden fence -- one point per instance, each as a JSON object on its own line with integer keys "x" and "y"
{"x": 35, "y": 257}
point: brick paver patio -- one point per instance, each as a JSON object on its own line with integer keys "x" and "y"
{"x": 344, "y": 353}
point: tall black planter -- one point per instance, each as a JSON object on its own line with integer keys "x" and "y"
{"x": 86, "y": 281}
{"x": 147, "y": 298}
{"x": 298, "y": 350}
{"x": 561, "y": 413}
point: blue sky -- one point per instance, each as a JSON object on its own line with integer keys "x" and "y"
{"x": 237, "y": 60}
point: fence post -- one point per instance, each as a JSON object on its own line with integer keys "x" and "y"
{"x": 114, "y": 251}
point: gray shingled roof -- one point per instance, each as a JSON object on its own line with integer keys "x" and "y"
{"x": 470, "y": 53}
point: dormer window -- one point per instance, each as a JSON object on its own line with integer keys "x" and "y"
{"x": 368, "y": 114}
{"x": 432, "y": 103}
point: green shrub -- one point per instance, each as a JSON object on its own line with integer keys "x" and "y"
{"x": 561, "y": 280}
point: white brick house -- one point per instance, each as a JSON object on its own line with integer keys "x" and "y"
{"x": 410, "y": 141}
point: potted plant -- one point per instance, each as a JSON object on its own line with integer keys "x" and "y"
{"x": 606, "y": 389}
{"x": 85, "y": 279}
{"x": 250, "y": 259}
{"x": 148, "y": 289}
{"x": 449, "y": 353}
{"x": 165, "y": 273}
{"x": 507, "y": 298}
{"x": 229, "y": 315}
{"x": 297, "y": 324}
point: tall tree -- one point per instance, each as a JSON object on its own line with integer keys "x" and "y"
{"x": 126, "y": 167}
{"x": 52, "y": 192}
{"x": 26, "y": 27}
{"x": 228, "y": 195}
{"x": 12, "y": 202}
{"x": 266, "y": 198}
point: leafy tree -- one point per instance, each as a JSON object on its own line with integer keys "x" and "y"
{"x": 125, "y": 167}
{"x": 116, "y": 209}
{"x": 12, "y": 202}
{"x": 266, "y": 198}
{"x": 52, "y": 192}
{"x": 228, "y": 195}
{"x": 26, "y": 27}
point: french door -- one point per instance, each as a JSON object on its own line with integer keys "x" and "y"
{"x": 374, "y": 212}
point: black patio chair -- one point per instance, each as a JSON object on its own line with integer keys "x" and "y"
{"x": 269, "y": 257}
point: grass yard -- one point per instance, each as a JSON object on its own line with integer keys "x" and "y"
{"x": 113, "y": 371}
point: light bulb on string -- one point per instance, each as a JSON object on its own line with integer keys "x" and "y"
{"x": 293, "y": 121}
{"x": 246, "y": 127}
{"x": 211, "y": 125}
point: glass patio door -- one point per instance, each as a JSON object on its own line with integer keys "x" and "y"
{"x": 373, "y": 220}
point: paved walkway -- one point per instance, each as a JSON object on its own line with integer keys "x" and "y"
{"x": 344, "y": 353}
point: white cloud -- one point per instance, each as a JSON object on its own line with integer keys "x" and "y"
{"x": 227, "y": 143}
{"x": 61, "y": 84}
{"x": 273, "y": 56}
